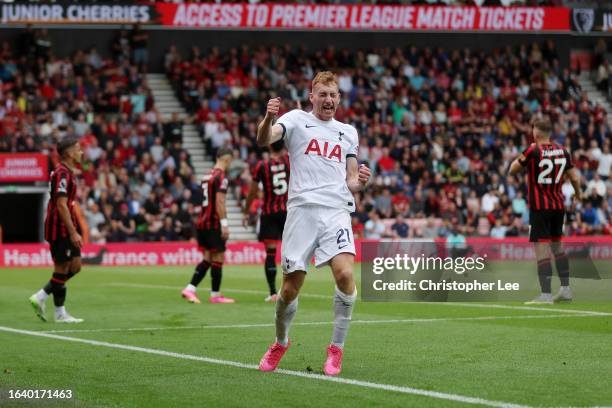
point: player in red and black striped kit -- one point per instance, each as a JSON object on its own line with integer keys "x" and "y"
{"x": 547, "y": 163}
{"x": 273, "y": 174}
{"x": 62, "y": 231}
{"x": 213, "y": 231}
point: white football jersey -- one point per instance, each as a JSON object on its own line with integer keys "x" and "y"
{"x": 317, "y": 152}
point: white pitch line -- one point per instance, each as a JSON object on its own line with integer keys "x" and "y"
{"x": 539, "y": 309}
{"x": 312, "y": 295}
{"x": 259, "y": 325}
{"x": 339, "y": 380}
{"x": 245, "y": 291}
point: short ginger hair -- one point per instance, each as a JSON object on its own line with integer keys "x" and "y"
{"x": 325, "y": 78}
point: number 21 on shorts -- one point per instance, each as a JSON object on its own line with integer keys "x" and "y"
{"x": 343, "y": 237}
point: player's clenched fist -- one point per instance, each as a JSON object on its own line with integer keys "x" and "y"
{"x": 364, "y": 174}
{"x": 273, "y": 106}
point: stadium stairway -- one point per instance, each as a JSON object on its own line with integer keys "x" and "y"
{"x": 587, "y": 84}
{"x": 167, "y": 103}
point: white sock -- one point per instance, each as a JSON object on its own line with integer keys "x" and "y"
{"x": 285, "y": 312}
{"x": 42, "y": 295}
{"x": 214, "y": 294}
{"x": 343, "y": 310}
{"x": 565, "y": 287}
{"x": 60, "y": 310}
{"x": 191, "y": 288}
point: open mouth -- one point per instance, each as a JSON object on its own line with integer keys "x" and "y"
{"x": 328, "y": 108}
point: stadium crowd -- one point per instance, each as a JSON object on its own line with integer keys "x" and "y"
{"x": 136, "y": 181}
{"x": 438, "y": 127}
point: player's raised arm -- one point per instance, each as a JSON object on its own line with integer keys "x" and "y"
{"x": 267, "y": 131}
{"x": 357, "y": 176}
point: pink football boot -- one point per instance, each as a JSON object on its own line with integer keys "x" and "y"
{"x": 333, "y": 364}
{"x": 273, "y": 356}
{"x": 220, "y": 299}
{"x": 190, "y": 296}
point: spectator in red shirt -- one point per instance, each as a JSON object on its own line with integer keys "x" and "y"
{"x": 400, "y": 202}
{"x": 386, "y": 163}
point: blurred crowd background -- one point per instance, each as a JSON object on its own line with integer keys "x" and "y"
{"x": 438, "y": 127}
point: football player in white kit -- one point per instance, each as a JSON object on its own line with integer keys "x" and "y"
{"x": 324, "y": 175}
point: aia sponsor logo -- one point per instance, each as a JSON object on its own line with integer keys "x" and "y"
{"x": 331, "y": 151}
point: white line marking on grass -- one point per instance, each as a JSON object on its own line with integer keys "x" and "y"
{"x": 316, "y": 296}
{"x": 339, "y": 380}
{"x": 539, "y": 309}
{"x": 245, "y": 291}
{"x": 259, "y": 325}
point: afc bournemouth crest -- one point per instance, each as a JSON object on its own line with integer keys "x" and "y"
{"x": 584, "y": 19}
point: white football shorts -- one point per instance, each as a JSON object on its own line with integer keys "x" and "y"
{"x": 315, "y": 230}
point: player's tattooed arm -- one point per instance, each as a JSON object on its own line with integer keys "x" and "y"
{"x": 222, "y": 213}
{"x": 357, "y": 176}
{"x": 64, "y": 213}
{"x": 267, "y": 131}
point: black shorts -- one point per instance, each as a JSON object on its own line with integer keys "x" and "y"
{"x": 271, "y": 226}
{"x": 62, "y": 250}
{"x": 210, "y": 240}
{"x": 546, "y": 225}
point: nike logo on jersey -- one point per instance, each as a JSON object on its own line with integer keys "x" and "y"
{"x": 310, "y": 126}
{"x": 329, "y": 151}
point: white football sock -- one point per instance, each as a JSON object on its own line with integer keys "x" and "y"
{"x": 42, "y": 295}
{"x": 343, "y": 310}
{"x": 191, "y": 288}
{"x": 285, "y": 312}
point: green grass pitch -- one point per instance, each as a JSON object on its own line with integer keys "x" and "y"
{"x": 545, "y": 356}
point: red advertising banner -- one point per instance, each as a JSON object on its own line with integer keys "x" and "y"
{"x": 23, "y": 167}
{"x": 241, "y": 253}
{"x": 294, "y": 16}
{"x": 132, "y": 254}
{"x": 363, "y": 17}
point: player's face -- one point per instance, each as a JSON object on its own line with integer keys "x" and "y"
{"x": 325, "y": 99}
{"x": 76, "y": 153}
{"x": 225, "y": 160}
